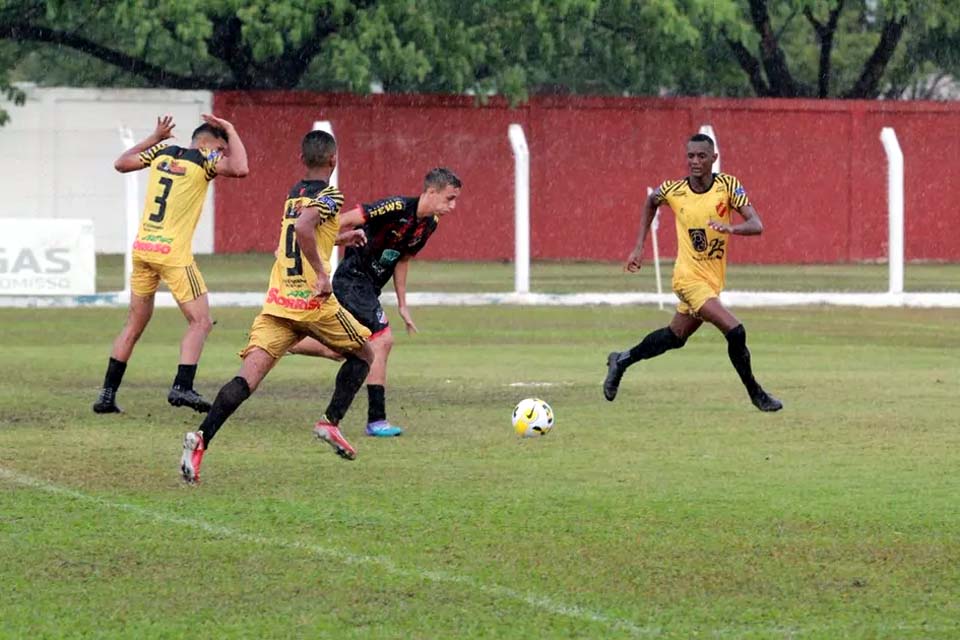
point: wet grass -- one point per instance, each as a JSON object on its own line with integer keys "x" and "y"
{"x": 677, "y": 511}
{"x": 248, "y": 272}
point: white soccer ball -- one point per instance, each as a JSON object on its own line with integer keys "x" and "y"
{"x": 532, "y": 417}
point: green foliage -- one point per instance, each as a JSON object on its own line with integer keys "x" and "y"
{"x": 614, "y": 47}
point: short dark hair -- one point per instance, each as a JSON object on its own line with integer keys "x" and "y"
{"x": 210, "y": 130}
{"x": 441, "y": 177}
{"x": 317, "y": 148}
{"x": 702, "y": 137}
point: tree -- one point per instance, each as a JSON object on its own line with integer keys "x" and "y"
{"x": 788, "y": 48}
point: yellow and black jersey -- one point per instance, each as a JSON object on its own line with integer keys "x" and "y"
{"x": 701, "y": 251}
{"x": 176, "y": 189}
{"x": 291, "y": 282}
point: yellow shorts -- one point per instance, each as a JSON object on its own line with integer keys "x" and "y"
{"x": 340, "y": 331}
{"x": 185, "y": 283}
{"x": 693, "y": 294}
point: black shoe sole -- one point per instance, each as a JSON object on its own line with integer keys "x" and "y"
{"x": 203, "y": 408}
{"x": 104, "y": 410}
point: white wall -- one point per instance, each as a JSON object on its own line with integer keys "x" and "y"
{"x": 57, "y": 153}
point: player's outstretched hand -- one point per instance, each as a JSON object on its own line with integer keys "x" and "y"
{"x": 634, "y": 261}
{"x": 408, "y": 320}
{"x": 353, "y": 238}
{"x": 720, "y": 227}
{"x": 164, "y": 128}
{"x": 211, "y": 119}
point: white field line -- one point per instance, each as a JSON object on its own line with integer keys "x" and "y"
{"x": 536, "y": 601}
{"x": 543, "y": 603}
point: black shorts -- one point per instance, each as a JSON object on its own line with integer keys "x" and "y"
{"x": 357, "y": 295}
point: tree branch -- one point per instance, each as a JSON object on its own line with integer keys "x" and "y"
{"x": 131, "y": 64}
{"x": 825, "y": 33}
{"x": 866, "y": 85}
{"x": 774, "y": 61}
{"x": 749, "y": 64}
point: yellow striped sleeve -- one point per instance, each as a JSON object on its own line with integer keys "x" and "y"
{"x": 146, "y": 157}
{"x": 328, "y": 202}
{"x": 660, "y": 195}
{"x": 211, "y": 158}
{"x": 738, "y": 195}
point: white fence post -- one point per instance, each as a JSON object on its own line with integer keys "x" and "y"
{"x": 325, "y": 125}
{"x": 131, "y": 209}
{"x": 521, "y": 156}
{"x": 894, "y": 207}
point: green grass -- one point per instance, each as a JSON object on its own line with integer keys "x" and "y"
{"x": 678, "y": 511}
{"x": 248, "y": 272}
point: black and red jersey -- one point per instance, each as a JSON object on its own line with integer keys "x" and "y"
{"x": 393, "y": 232}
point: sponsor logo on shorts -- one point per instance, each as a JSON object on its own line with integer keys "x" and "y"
{"x": 153, "y": 244}
{"x": 296, "y": 300}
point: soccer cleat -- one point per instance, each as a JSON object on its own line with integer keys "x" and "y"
{"x": 107, "y": 402}
{"x": 383, "y": 429}
{"x": 193, "y": 450}
{"x": 179, "y": 397}
{"x": 330, "y": 433}
{"x": 614, "y": 372}
{"x": 765, "y": 402}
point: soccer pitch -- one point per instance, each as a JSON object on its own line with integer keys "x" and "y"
{"x": 677, "y": 511}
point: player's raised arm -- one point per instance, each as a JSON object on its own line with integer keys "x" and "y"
{"x": 137, "y": 157}
{"x": 634, "y": 260}
{"x": 234, "y": 162}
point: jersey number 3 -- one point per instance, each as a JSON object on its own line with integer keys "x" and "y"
{"x": 293, "y": 251}
{"x": 161, "y": 200}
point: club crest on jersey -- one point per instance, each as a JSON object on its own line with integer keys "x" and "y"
{"x": 721, "y": 209}
{"x": 172, "y": 167}
{"x": 699, "y": 239}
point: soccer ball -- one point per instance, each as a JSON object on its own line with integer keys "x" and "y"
{"x": 532, "y": 417}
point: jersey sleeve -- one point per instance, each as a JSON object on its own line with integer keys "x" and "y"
{"x": 147, "y": 156}
{"x": 738, "y": 195}
{"x": 328, "y": 202}
{"x": 385, "y": 209}
{"x": 211, "y": 158}
{"x": 660, "y": 195}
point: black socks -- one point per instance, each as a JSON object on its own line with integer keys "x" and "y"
{"x": 350, "y": 378}
{"x": 230, "y": 396}
{"x": 740, "y": 357}
{"x": 114, "y": 376}
{"x": 376, "y": 403}
{"x": 656, "y": 343}
{"x": 185, "y": 375}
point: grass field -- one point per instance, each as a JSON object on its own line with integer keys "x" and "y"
{"x": 248, "y": 272}
{"x": 678, "y": 511}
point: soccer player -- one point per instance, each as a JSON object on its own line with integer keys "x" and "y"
{"x": 703, "y": 203}
{"x": 300, "y": 302}
{"x": 177, "y": 186}
{"x": 396, "y": 229}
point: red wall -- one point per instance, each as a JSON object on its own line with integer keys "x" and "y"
{"x": 815, "y": 170}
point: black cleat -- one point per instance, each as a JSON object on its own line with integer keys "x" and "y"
{"x": 614, "y": 372}
{"x": 765, "y": 402}
{"x": 107, "y": 402}
{"x": 187, "y": 398}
